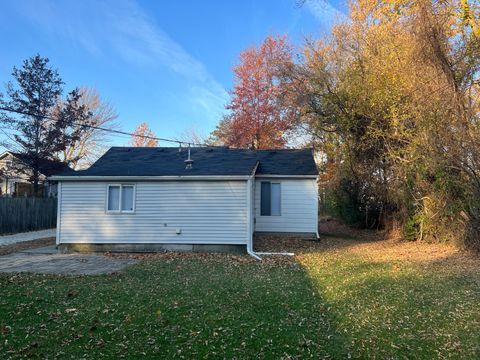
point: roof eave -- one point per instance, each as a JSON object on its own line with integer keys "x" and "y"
{"x": 287, "y": 176}
{"x": 147, "y": 178}
{"x": 5, "y": 153}
{"x": 179, "y": 177}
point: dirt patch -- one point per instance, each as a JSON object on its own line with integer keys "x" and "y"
{"x": 205, "y": 256}
{"x": 333, "y": 236}
{"x": 338, "y": 240}
{"x": 25, "y": 245}
{"x": 373, "y": 246}
{"x": 332, "y": 228}
{"x": 278, "y": 243}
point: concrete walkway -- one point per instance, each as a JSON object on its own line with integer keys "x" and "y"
{"x": 27, "y": 236}
{"x": 46, "y": 260}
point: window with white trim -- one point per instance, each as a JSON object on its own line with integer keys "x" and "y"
{"x": 121, "y": 198}
{"x": 270, "y": 199}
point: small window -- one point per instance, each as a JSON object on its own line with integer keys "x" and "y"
{"x": 275, "y": 198}
{"x": 113, "y": 198}
{"x": 270, "y": 199}
{"x": 127, "y": 198}
{"x": 121, "y": 198}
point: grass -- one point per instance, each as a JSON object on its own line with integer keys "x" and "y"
{"x": 337, "y": 299}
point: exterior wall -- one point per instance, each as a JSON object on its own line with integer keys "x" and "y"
{"x": 15, "y": 183}
{"x": 207, "y": 212}
{"x": 3, "y": 160}
{"x": 299, "y": 207}
{"x": 14, "y": 186}
{"x": 7, "y": 184}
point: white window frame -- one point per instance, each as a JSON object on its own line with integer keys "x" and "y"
{"x": 281, "y": 200}
{"x": 120, "y": 211}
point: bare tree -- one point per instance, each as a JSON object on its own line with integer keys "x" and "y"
{"x": 91, "y": 143}
{"x": 143, "y": 137}
{"x": 191, "y": 136}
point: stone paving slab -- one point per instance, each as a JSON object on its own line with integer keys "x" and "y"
{"x": 27, "y": 236}
{"x": 51, "y": 249}
{"x": 65, "y": 264}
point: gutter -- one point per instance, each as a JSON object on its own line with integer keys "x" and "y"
{"x": 175, "y": 177}
{"x": 266, "y": 176}
{"x": 149, "y": 178}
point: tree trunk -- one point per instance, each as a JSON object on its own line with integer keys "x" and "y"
{"x": 35, "y": 182}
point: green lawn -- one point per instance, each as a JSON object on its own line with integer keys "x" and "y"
{"x": 340, "y": 298}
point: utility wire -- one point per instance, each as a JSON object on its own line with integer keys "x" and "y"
{"x": 118, "y": 132}
{"x": 11, "y": 139}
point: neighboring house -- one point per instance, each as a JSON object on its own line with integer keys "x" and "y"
{"x": 143, "y": 198}
{"x": 14, "y": 182}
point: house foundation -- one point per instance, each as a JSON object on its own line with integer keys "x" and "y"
{"x": 149, "y": 248}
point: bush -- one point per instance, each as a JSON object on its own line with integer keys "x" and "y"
{"x": 355, "y": 204}
{"x": 414, "y": 227}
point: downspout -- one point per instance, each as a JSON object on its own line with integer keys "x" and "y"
{"x": 59, "y": 213}
{"x": 250, "y": 199}
{"x": 275, "y": 253}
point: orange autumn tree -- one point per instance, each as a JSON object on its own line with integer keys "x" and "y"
{"x": 258, "y": 117}
{"x": 141, "y": 136}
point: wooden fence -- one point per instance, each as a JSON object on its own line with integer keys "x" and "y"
{"x": 27, "y": 214}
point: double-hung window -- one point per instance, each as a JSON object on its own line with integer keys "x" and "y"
{"x": 121, "y": 198}
{"x": 270, "y": 199}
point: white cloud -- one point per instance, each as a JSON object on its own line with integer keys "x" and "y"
{"x": 325, "y": 12}
{"x": 123, "y": 28}
{"x": 211, "y": 99}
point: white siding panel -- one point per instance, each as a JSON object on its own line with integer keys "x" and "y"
{"x": 298, "y": 207}
{"x": 208, "y": 212}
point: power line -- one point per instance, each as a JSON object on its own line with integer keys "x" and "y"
{"x": 113, "y": 131}
{"x": 9, "y": 137}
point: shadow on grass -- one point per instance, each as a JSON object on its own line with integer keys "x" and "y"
{"x": 330, "y": 303}
{"x": 197, "y": 307}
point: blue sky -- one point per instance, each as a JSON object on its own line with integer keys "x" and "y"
{"x": 164, "y": 62}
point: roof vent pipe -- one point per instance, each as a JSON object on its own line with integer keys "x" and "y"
{"x": 189, "y": 161}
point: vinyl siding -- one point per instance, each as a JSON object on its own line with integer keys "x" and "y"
{"x": 207, "y": 212}
{"x": 298, "y": 207}
{"x": 7, "y": 187}
{"x": 15, "y": 177}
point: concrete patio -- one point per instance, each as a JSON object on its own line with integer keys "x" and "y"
{"x": 26, "y": 236}
{"x": 46, "y": 260}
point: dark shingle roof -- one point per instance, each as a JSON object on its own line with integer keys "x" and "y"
{"x": 168, "y": 161}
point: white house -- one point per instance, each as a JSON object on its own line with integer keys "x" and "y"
{"x": 143, "y": 199}
{"x": 15, "y": 175}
